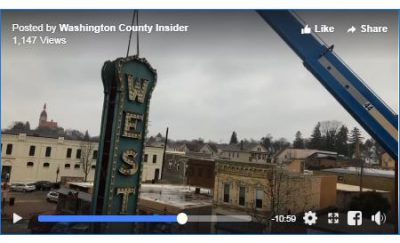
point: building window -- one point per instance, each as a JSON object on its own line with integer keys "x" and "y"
{"x": 210, "y": 173}
{"x": 95, "y": 154}
{"x": 187, "y": 172}
{"x": 32, "y": 150}
{"x": 154, "y": 158}
{"x": 78, "y": 153}
{"x": 48, "y": 151}
{"x": 77, "y": 166}
{"x": 237, "y": 155}
{"x": 69, "y": 152}
{"x": 29, "y": 164}
{"x": 259, "y": 198}
{"x": 146, "y": 157}
{"x": 227, "y": 188}
{"x": 242, "y": 195}
{"x": 46, "y": 165}
{"x": 93, "y": 166}
{"x": 199, "y": 172}
{"x": 67, "y": 166}
{"x": 9, "y": 149}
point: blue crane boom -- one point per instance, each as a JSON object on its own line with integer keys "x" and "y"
{"x": 351, "y": 92}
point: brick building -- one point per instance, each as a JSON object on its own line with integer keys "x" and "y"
{"x": 263, "y": 190}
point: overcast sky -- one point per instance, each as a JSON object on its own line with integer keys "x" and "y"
{"x": 230, "y": 71}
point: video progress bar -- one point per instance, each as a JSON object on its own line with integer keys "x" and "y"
{"x": 106, "y": 218}
{"x": 181, "y": 218}
{"x": 219, "y": 218}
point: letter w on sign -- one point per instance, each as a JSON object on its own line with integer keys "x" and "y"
{"x": 137, "y": 89}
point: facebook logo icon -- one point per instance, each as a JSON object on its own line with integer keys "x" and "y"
{"x": 354, "y": 218}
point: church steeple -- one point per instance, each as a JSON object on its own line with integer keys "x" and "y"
{"x": 43, "y": 116}
{"x": 43, "y": 123}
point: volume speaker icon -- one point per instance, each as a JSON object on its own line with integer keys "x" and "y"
{"x": 379, "y": 218}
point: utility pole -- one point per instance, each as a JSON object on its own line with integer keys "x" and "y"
{"x": 4, "y": 194}
{"x": 164, "y": 152}
{"x": 361, "y": 162}
{"x": 57, "y": 172}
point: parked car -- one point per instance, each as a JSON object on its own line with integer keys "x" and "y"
{"x": 70, "y": 228}
{"x": 37, "y": 227}
{"x": 57, "y": 185}
{"x": 23, "y": 187}
{"x": 52, "y": 196}
{"x": 44, "y": 185}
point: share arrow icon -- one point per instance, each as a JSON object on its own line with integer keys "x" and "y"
{"x": 352, "y": 29}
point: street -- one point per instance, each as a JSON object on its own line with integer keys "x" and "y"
{"x": 26, "y": 205}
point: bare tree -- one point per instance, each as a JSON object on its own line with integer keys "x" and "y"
{"x": 277, "y": 192}
{"x": 329, "y": 130}
{"x": 284, "y": 192}
{"x": 86, "y": 148}
{"x": 328, "y": 127}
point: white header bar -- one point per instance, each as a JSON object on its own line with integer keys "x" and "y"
{"x": 204, "y": 4}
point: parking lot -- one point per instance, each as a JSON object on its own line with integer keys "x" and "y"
{"x": 26, "y": 204}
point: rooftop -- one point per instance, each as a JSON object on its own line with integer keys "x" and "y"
{"x": 366, "y": 171}
{"x": 47, "y": 133}
{"x": 353, "y": 188}
{"x": 304, "y": 153}
{"x": 82, "y": 184}
{"x": 238, "y": 147}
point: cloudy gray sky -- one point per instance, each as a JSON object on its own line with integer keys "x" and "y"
{"x": 230, "y": 71}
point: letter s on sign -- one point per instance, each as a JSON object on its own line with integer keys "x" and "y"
{"x": 130, "y": 168}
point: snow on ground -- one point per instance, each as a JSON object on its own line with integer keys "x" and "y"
{"x": 177, "y": 195}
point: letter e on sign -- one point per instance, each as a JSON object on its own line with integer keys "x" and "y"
{"x": 131, "y": 121}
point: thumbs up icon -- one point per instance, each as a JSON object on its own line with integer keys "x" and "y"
{"x": 306, "y": 30}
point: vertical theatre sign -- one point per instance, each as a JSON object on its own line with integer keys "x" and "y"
{"x": 128, "y": 85}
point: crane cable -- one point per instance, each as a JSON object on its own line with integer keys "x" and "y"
{"x": 135, "y": 16}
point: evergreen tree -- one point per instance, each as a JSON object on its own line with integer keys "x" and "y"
{"x": 298, "y": 141}
{"x": 378, "y": 150}
{"x": 316, "y": 138}
{"x": 329, "y": 140}
{"x": 355, "y": 135}
{"x": 19, "y": 126}
{"x": 280, "y": 144}
{"x": 371, "y": 151}
{"x": 86, "y": 137}
{"x": 27, "y": 126}
{"x": 341, "y": 144}
{"x": 355, "y": 142}
{"x": 234, "y": 139}
{"x": 267, "y": 141}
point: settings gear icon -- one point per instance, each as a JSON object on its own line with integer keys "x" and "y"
{"x": 310, "y": 218}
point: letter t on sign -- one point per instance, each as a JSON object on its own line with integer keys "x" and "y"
{"x": 125, "y": 192}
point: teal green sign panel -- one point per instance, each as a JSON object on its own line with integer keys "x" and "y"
{"x": 128, "y": 85}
